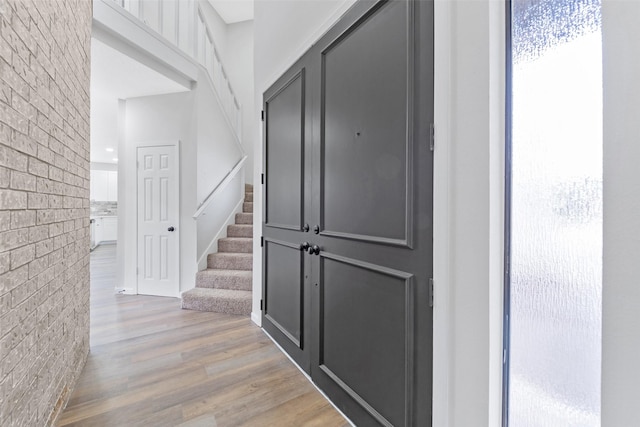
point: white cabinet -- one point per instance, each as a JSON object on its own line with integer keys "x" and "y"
{"x": 110, "y": 228}
{"x": 98, "y": 230}
{"x": 112, "y": 186}
{"x": 106, "y": 229}
{"x": 100, "y": 185}
{"x": 104, "y": 186}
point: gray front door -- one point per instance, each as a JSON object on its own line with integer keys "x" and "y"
{"x": 286, "y": 293}
{"x": 368, "y": 178}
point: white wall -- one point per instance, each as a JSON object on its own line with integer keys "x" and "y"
{"x": 218, "y": 151}
{"x": 217, "y": 26}
{"x": 103, "y": 166}
{"x": 621, "y": 269}
{"x": 283, "y": 31}
{"x": 104, "y": 125}
{"x": 234, "y": 43}
{"x": 240, "y": 68}
{"x": 156, "y": 120}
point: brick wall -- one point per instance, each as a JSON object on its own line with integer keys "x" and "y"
{"x": 44, "y": 205}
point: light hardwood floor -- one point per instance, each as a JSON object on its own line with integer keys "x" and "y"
{"x": 154, "y": 364}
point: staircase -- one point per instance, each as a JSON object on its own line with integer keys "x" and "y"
{"x": 225, "y": 286}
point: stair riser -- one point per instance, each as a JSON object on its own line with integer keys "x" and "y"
{"x": 218, "y": 305}
{"x": 235, "y": 231}
{"x": 248, "y": 197}
{"x": 229, "y": 263}
{"x": 235, "y": 246}
{"x": 244, "y": 218}
{"x": 247, "y": 207}
{"x": 248, "y": 188}
{"x": 218, "y": 282}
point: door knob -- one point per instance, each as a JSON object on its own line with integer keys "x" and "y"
{"x": 304, "y": 246}
{"x": 305, "y": 228}
{"x": 316, "y": 229}
{"x": 170, "y": 228}
{"x": 315, "y": 249}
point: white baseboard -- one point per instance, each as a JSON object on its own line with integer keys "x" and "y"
{"x": 256, "y": 318}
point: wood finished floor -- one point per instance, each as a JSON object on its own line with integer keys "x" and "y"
{"x": 154, "y": 364}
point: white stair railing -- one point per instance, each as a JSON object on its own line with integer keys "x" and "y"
{"x": 182, "y": 23}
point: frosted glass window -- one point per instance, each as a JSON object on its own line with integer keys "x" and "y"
{"x": 556, "y": 214}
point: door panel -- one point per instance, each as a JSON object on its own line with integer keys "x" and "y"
{"x": 284, "y": 290}
{"x": 286, "y": 294}
{"x": 365, "y": 344}
{"x": 285, "y": 155}
{"x": 158, "y": 211}
{"x": 365, "y": 137}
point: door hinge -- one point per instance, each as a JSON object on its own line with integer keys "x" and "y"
{"x": 262, "y": 115}
{"x": 431, "y": 290}
{"x": 261, "y": 178}
{"x": 261, "y": 306}
{"x": 432, "y": 136}
{"x": 261, "y": 241}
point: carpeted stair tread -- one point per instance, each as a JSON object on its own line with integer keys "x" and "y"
{"x": 225, "y": 286}
{"x": 230, "y": 261}
{"x": 244, "y": 218}
{"x": 224, "y": 279}
{"x": 218, "y": 300}
{"x": 235, "y": 244}
{"x": 240, "y": 230}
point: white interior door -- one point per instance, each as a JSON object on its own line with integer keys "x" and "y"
{"x": 158, "y": 218}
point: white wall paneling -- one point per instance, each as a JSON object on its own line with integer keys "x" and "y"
{"x": 621, "y": 251}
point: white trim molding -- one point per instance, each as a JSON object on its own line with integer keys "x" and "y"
{"x": 621, "y": 204}
{"x": 468, "y": 212}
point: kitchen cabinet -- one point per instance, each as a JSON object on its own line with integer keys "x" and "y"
{"x": 99, "y": 185}
{"x": 110, "y": 228}
{"x": 98, "y": 230}
{"x": 104, "y": 186}
{"x": 112, "y": 186}
{"x": 106, "y": 229}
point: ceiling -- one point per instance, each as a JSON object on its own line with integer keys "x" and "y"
{"x": 117, "y": 76}
{"x": 232, "y": 11}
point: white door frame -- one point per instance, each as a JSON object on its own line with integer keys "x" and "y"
{"x": 177, "y": 144}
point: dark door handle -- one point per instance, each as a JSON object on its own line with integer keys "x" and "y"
{"x": 315, "y": 249}
{"x": 316, "y": 229}
{"x": 305, "y": 228}
{"x": 304, "y": 246}
{"x": 171, "y": 228}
